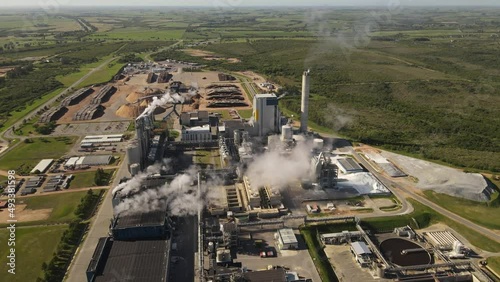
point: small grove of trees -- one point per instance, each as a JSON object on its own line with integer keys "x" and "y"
{"x": 56, "y": 268}
{"x": 101, "y": 177}
{"x": 130, "y": 58}
{"x": 45, "y": 129}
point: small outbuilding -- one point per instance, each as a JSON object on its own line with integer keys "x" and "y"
{"x": 361, "y": 253}
{"x": 287, "y": 240}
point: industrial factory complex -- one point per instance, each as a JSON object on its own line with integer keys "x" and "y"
{"x": 233, "y": 218}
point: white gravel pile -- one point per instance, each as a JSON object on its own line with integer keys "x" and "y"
{"x": 363, "y": 182}
{"x": 443, "y": 179}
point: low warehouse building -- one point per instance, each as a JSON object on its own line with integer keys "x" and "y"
{"x": 97, "y": 160}
{"x": 287, "y": 240}
{"x": 96, "y": 139}
{"x": 361, "y": 253}
{"x": 42, "y": 166}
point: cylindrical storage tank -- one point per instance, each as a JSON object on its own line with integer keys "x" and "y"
{"x": 135, "y": 169}
{"x": 237, "y": 137}
{"x": 318, "y": 144}
{"x": 286, "y": 133}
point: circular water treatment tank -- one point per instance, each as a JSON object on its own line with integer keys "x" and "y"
{"x": 402, "y": 252}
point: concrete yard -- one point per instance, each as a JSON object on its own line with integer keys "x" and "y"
{"x": 442, "y": 179}
{"x": 92, "y": 128}
{"x": 295, "y": 260}
{"x": 346, "y": 268}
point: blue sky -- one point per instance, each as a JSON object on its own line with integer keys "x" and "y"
{"x": 242, "y": 3}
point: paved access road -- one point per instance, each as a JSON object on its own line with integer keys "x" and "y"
{"x": 99, "y": 228}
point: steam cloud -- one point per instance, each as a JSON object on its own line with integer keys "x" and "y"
{"x": 338, "y": 118}
{"x": 278, "y": 170}
{"x": 180, "y": 197}
{"x": 165, "y": 99}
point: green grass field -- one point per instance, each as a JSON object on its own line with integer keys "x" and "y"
{"x": 203, "y": 157}
{"x": 479, "y": 213}
{"x": 34, "y": 246}
{"x": 320, "y": 260}
{"x": 85, "y": 179}
{"x": 26, "y": 155}
{"x": 63, "y": 205}
{"x": 494, "y": 263}
{"x": 71, "y": 78}
{"x": 141, "y": 34}
{"x": 103, "y": 75}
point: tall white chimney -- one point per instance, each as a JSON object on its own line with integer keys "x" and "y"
{"x": 304, "y": 107}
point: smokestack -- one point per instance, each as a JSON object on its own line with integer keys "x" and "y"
{"x": 304, "y": 108}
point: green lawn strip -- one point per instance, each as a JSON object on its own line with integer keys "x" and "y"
{"x": 494, "y": 264}
{"x": 203, "y": 156}
{"x": 246, "y": 113}
{"x": 484, "y": 214}
{"x": 423, "y": 216}
{"x": 34, "y": 246}
{"x": 83, "y": 179}
{"x": 86, "y": 179}
{"x": 26, "y": 155}
{"x": 325, "y": 269}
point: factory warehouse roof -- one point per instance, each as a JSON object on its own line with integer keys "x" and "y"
{"x": 142, "y": 261}
{"x": 360, "y": 248}
{"x": 349, "y": 164}
{"x": 43, "y": 165}
{"x": 287, "y": 236}
{"x": 103, "y": 138}
{"x": 71, "y": 161}
{"x": 97, "y": 160}
{"x": 141, "y": 219}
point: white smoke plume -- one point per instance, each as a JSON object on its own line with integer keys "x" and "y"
{"x": 134, "y": 184}
{"x": 278, "y": 170}
{"x": 338, "y": 118}
{"x": 165, "y": 99}
{"x": 180, "y": 197}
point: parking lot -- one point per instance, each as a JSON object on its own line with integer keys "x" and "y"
{"x": 293, "y": 260}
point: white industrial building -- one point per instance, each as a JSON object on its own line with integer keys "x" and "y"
{"x": 95, "y": 160}
{"x": 266, "y": 114}
{"x": 286, "y": 239}
{"x": 197, "y": 133}
{"x": 361, "y": 253}
{"x": 43, "y": 165}
{"x": 98, "y": 139}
